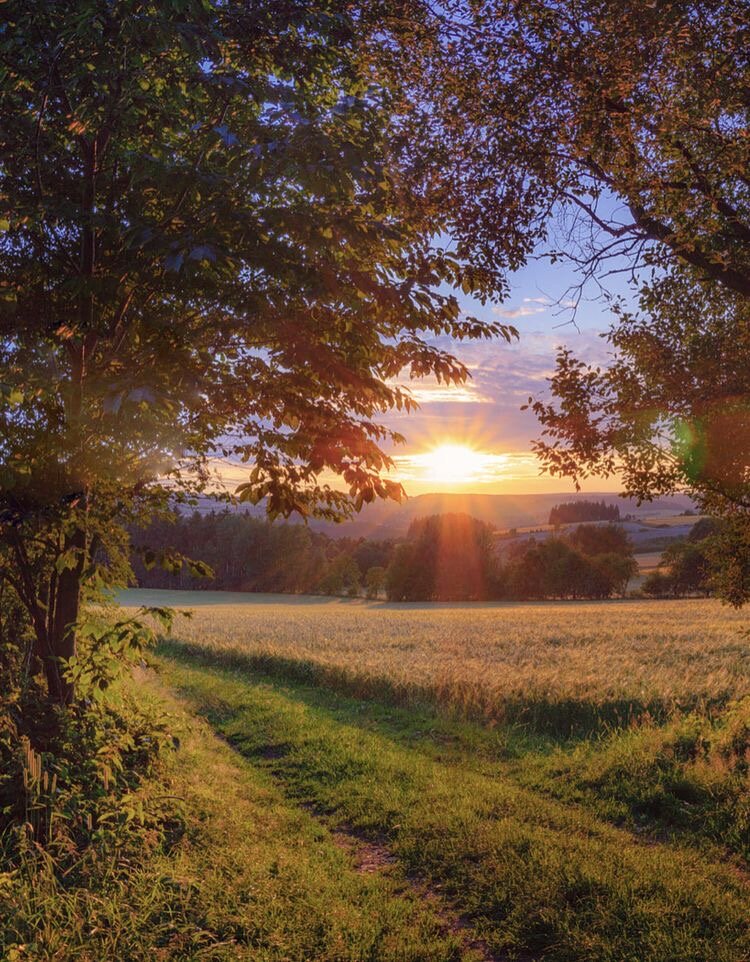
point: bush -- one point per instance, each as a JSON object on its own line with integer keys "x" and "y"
{"x": 659, "y": 584}
{"x": 69, "y": 775}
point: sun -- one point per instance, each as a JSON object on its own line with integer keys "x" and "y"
{"x": 452, "y": 464}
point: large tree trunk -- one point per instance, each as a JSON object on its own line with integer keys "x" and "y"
{"x": 60, "y": 643}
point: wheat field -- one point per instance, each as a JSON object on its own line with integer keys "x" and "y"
{"x": 564, "y": 662}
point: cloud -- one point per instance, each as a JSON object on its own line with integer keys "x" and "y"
{"x": 528, "y": 308}
{"x": 504, "y": 376}
{"x": 428, "y": 391}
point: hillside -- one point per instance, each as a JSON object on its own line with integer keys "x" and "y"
{"x": 387, "y": 519}
{"x": 391, "y": 520}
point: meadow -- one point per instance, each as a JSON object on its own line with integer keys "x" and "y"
{"x": 361, "y": 781}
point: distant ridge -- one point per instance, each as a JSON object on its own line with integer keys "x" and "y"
{"x": 392, "y": 520}
{"x": 388, "y": 519}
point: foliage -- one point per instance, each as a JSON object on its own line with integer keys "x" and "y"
{"x": 455, "y": 558}
{"x": 592, "y": 561}
{"x": 688, "y": 566}
{"x": 242, "y": 552}
{"x": 659, "y": 584}
{"x": 72, "y": 792}
{"x": 208, "y": 247}
{"x": 625, "y": 125}
{"x": 447, "y": 557}
{"x": 555, "y": 568}
{"x": 573, "y": 511}
{"x": 246, "y": 553}
{"x": 595, "y": 539}
{"x": 78, "y": 766}
{"x": 625, "y": 120}
{"x": 341, "y": 576}
{"x": 375, "y": 582}
{"x": 669, "y": 413}
{"x": 728, "y": 556}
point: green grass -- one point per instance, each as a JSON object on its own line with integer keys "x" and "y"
{"x": 527, "y": 847}
{"x": 252, "y": 877}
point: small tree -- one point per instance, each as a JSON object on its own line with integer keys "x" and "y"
{"x": 375, "y": 581}
{"x": 601, "y": 539}
{"x": 688, "y": 567}
{"x": 341, "y": 577}
{"x": 659, "y": 584}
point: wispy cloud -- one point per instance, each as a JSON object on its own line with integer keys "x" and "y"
{"x": 528, "y": 308}
{"x": 429, "y": 391}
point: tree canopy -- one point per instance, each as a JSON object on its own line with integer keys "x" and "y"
{"x": 625, "y": 122}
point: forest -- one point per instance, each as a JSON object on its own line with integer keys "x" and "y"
{"x": 448, "y": 557}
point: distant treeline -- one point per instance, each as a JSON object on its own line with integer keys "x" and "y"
{"x": 250, "y": 554}
{"x": 454, "y": 558}
{"x": 574, "y": 512}
{"x": 448, "y": 557}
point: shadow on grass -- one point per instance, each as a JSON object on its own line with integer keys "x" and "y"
{"x": 561, "y": 719}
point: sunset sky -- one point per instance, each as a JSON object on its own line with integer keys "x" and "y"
{"x": 485, "y": 414}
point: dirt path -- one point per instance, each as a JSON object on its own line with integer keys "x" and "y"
{"x": 370, "y": 857}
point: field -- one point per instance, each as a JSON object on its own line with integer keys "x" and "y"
{"x": 552, "y": 666}
{"x": 558, "y": 782}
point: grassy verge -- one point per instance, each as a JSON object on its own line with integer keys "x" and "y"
{"x": 534, "y": 874}
{"x": 248, "y": 876}
{"x": 686, "y": 779}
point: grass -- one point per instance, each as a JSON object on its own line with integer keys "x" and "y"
{"x": 558, "y": 782}
{"x": 535, "y": 874}
{"x": 250, "y": 877}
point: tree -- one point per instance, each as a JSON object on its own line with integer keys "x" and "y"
{"x": 375, "y": 581}
{"x": 244, "y": 553}
{"x": 659, "y": 584}
{"x": 209, "y": 247}
{"x": 594, "y": 539}
{"x": 342, "y": 576}
{"x": 688, "y": 567}
{"x": 448, "y": 557}
{"x": 671, "y": 412}
{"x": 615, "y": 570}
{"x": 558, "y": 568}
{"x": 623, "y": 120}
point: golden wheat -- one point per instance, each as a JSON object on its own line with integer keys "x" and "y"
{"x": 646, "y": 654}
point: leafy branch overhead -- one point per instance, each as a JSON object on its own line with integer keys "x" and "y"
{"x": 210, "y": 247}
